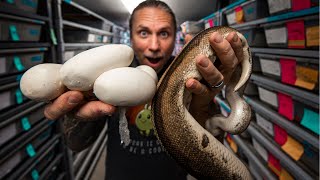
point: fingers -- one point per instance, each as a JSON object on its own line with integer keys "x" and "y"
{"x": 224, "y": 51}
{"x": 94, "y": 109}
{"x": 236, "y": 45}
{"x": 196, "y": 87}
{"x": 63, "y": 104}
{"x": 208, "y": 71}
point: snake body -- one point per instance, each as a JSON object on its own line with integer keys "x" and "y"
{"x": 191, "y": 145}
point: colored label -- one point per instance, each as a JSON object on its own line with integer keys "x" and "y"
{"x": 288, "y": 71}
{"x": 53, "y": 37}
{"x": 312, "y": 36}
{"x": 67, "y": 1}
{"x": 310, "y": 120}
{"x": 30, "y": 3}
{"x": 239, "y": 14}
{"x": 34, "y": 32}
{"x": 284, "y": 175}
{"x": 18, "y": 78}
{"x": 36, "y": 58}
{"x": 14, "y": 33}
{"x": 250, "y": 10}
{"x": 30, "y": 150}
{"x": 19, "y": 97}
{"x": 285, "y": 106}
{"x": 299, "y": 5}
{"x": 17, "y": 63}
{"x": 280, "y": 135}
{"x": 10, "y": 1}
{"x": 293, "y": 148}
{"x": 296, "y": 34}
{"x": 210, "y": 21}
{"x": 35, "y": 174}
{"x": 306, "y": 77}
{"x": 274, "y": 164}
{"x": 25, "y": 123}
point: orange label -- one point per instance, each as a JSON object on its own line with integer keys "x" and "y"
{"x": 305, "y": 84}
{"x": 234, "y": 147}
{"x": 284, "y": 175}
{"x": 313, "y": 36}
{"x": 293, "y": 148}
{"x": 239, "y": 15}
{"x": 296, "y": 43}
{"x": 306, "y": 77}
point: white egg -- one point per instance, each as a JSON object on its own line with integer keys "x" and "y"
{"x": 80, "y": 72}
{"x": 125, "y": 86}
{"x": 42, "y": 82}
{"x": 150, "y": 71}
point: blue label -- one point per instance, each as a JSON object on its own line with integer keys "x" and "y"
{"x": 14, "y": 33}
{"x": 250, "y": 10}
{"x": 19, "y": 97}
{"x": 18, "y": 78}
{"x": 25, "y": 124}
{"x": 30, "y": 150}
{"x": 30, "y": 3}
{"x": 36, "y": 58}
{"x": 17, "y": 63}
{"x": 34, "y": 32}
{"x": 310, "y": 120}
{"x": 35, "y": 174}
{"x": 68, "y": 1}
{"x": 225, "y": 107}
{"x": 42, "y": 49}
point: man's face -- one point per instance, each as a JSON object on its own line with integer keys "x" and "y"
{"x": 152, "y": 37}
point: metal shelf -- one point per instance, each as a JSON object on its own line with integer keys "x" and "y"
{"x": 289, "y": 52}
{"x": 298, "y": 59}
{"x": 23, "y": 19}
{"x": 31, "y": 162}
{"x": 86, "y": 10}
{"x": 19, "y": 113}
{"x": 12, "y": 112}
{"x": 82, "y": 45}
{"x": 23, "y": 50}
{"x": 17, "y": 144}
{"x": 285, "y": 160}
{"x": 294, "y": 130}
{"x": 299, "y": 95}
{"x": 14, "y": 45}
{"x": 251, "y": 154}
{"x": 53, "y": 163}
{"x": 77, "y": 25}
{"x": 10, "y": 10}
{"x": 8, "y": 86}
{"x": 289, "y": 15}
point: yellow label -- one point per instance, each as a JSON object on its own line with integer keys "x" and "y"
{"x": 293, "y": 148}
{"x": 313, "y": 36}
{"x": 305, "y": 84}
{"x": 239, "y": 16}
{"x": 307, "y": 74}
{"x": 284, "y": 175}
{"x": 295, "y": 43}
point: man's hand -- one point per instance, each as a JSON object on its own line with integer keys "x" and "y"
{"x": 74, "y": 101}
{"x": 230, "y": 53}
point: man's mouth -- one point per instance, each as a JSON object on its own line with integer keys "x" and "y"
{"x": 154, "y": 60}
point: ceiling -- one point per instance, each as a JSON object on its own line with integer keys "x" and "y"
{"x": 185, "y": 10}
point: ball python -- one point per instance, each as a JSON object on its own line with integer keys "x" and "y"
{"x": 191, "y": 145}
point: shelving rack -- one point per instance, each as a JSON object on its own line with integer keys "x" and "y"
{"x": 27, "y": 138}
{"x": 267, "y": 117}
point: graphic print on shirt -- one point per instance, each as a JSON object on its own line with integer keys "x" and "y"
{"x": 143, "y": 139}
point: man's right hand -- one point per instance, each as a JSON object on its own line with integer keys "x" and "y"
{"x": 74, "y": 101}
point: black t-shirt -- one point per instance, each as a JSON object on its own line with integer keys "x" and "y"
{"x": 144, "y": 158}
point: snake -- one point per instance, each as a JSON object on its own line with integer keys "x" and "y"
{"x": 193, "y": 146}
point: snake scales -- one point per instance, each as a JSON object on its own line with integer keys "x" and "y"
{"x": 191, "y": 145}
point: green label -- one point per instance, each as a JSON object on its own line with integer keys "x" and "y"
{"x": 17, "y": 63}
{"x": 25, "y": 124}
{"x": 30, "y": 150}
{"x": 30, "y": 3}
{"x": 14, "y": 33}
{"x": 19, "y": 97}
{"x": 310, "y": 120}
{"x": 10, "y": 1}
{"x": 18, "y": 78}
{"x": 53, "y": 37}
{"x": 35, "y": 174}
{"x": 67, "y": 1}
{"x": 250, "y": 10}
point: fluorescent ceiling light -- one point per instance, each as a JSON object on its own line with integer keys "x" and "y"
{"x": 131, "y": 4}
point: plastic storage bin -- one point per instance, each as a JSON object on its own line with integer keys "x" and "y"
{"x": 13, "y": 63}
{"x": 254, "y": 35}
{"x": 255, "y": 9}
{"x": 13, "y": 30}
{"x": 11, "y": 97}
{"x": 25, "y": 5}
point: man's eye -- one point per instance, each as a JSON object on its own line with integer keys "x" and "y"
{"x": 164, "y": 34}
{"x": 143, "y": 33}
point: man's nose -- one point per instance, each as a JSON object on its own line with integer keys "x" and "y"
{"x": 154, "y": 44}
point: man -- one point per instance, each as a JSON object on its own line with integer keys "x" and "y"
{"x": 153, "y": 30}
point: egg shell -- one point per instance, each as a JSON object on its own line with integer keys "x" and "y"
{"x": 81, "y": 71}
{"x": 42, "y": 82}
{"x": 125, "y": 86}
{"x": 150, "y": 71}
